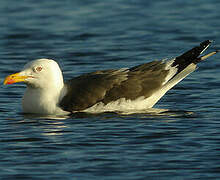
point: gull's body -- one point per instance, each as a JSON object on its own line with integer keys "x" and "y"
{"x": 120, "y": 90}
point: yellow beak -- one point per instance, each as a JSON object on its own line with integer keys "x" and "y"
{"x": 14, "y": 78}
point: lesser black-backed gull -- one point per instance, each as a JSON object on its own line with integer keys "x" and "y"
{"x": 125, "y": 89}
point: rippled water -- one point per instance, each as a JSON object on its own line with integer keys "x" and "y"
{"x": 84, "y": 36}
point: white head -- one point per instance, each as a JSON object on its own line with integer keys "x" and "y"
{"x": 44, "y": 80}
{"x": 40, "y": 73}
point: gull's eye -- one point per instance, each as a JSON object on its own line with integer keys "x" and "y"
{"x": 38, "y": 69}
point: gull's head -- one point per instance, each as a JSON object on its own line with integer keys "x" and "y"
{"x": 40, "y": 73}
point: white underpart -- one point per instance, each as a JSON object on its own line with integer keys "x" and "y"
{"x": 141, "y": 103}
{"x": 43, "y": 101}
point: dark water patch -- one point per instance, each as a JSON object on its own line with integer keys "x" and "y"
{"x": 18, "y": 36}
{"x": 83, "y": 37}
{"x": 84, "y": 54}
{"x": 22, "y": 140}
{"x": 187, "y": 38}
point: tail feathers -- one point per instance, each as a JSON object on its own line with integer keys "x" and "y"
{"x": 192, "y": 56}
{"x": 202, "y": 58}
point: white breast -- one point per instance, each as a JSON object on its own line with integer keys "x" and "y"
{"x": 41, "y": 102}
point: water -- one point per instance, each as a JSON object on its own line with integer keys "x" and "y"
{"x": 84, "y": 36}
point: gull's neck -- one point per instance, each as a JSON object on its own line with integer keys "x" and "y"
{"x": 44, "y": 100}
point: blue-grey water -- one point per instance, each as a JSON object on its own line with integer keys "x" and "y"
{"x": 87, "y": 35}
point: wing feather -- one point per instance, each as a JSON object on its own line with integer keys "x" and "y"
{"x": 109, "y": 85}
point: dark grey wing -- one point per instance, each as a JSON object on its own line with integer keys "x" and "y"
{"x": 109, "y": 85}
{"x": 143, "y": 80}
{"x": 88, "y": 89}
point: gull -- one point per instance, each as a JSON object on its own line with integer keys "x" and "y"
{"x": 113, "y": 90}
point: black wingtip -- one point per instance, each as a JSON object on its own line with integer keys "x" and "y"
{"x": 196, "y": 51}
{"x": 204, "y": 45}
{"x": 191, "y": 56}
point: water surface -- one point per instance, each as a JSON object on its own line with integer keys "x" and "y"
{"x": 85, "y": 36}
